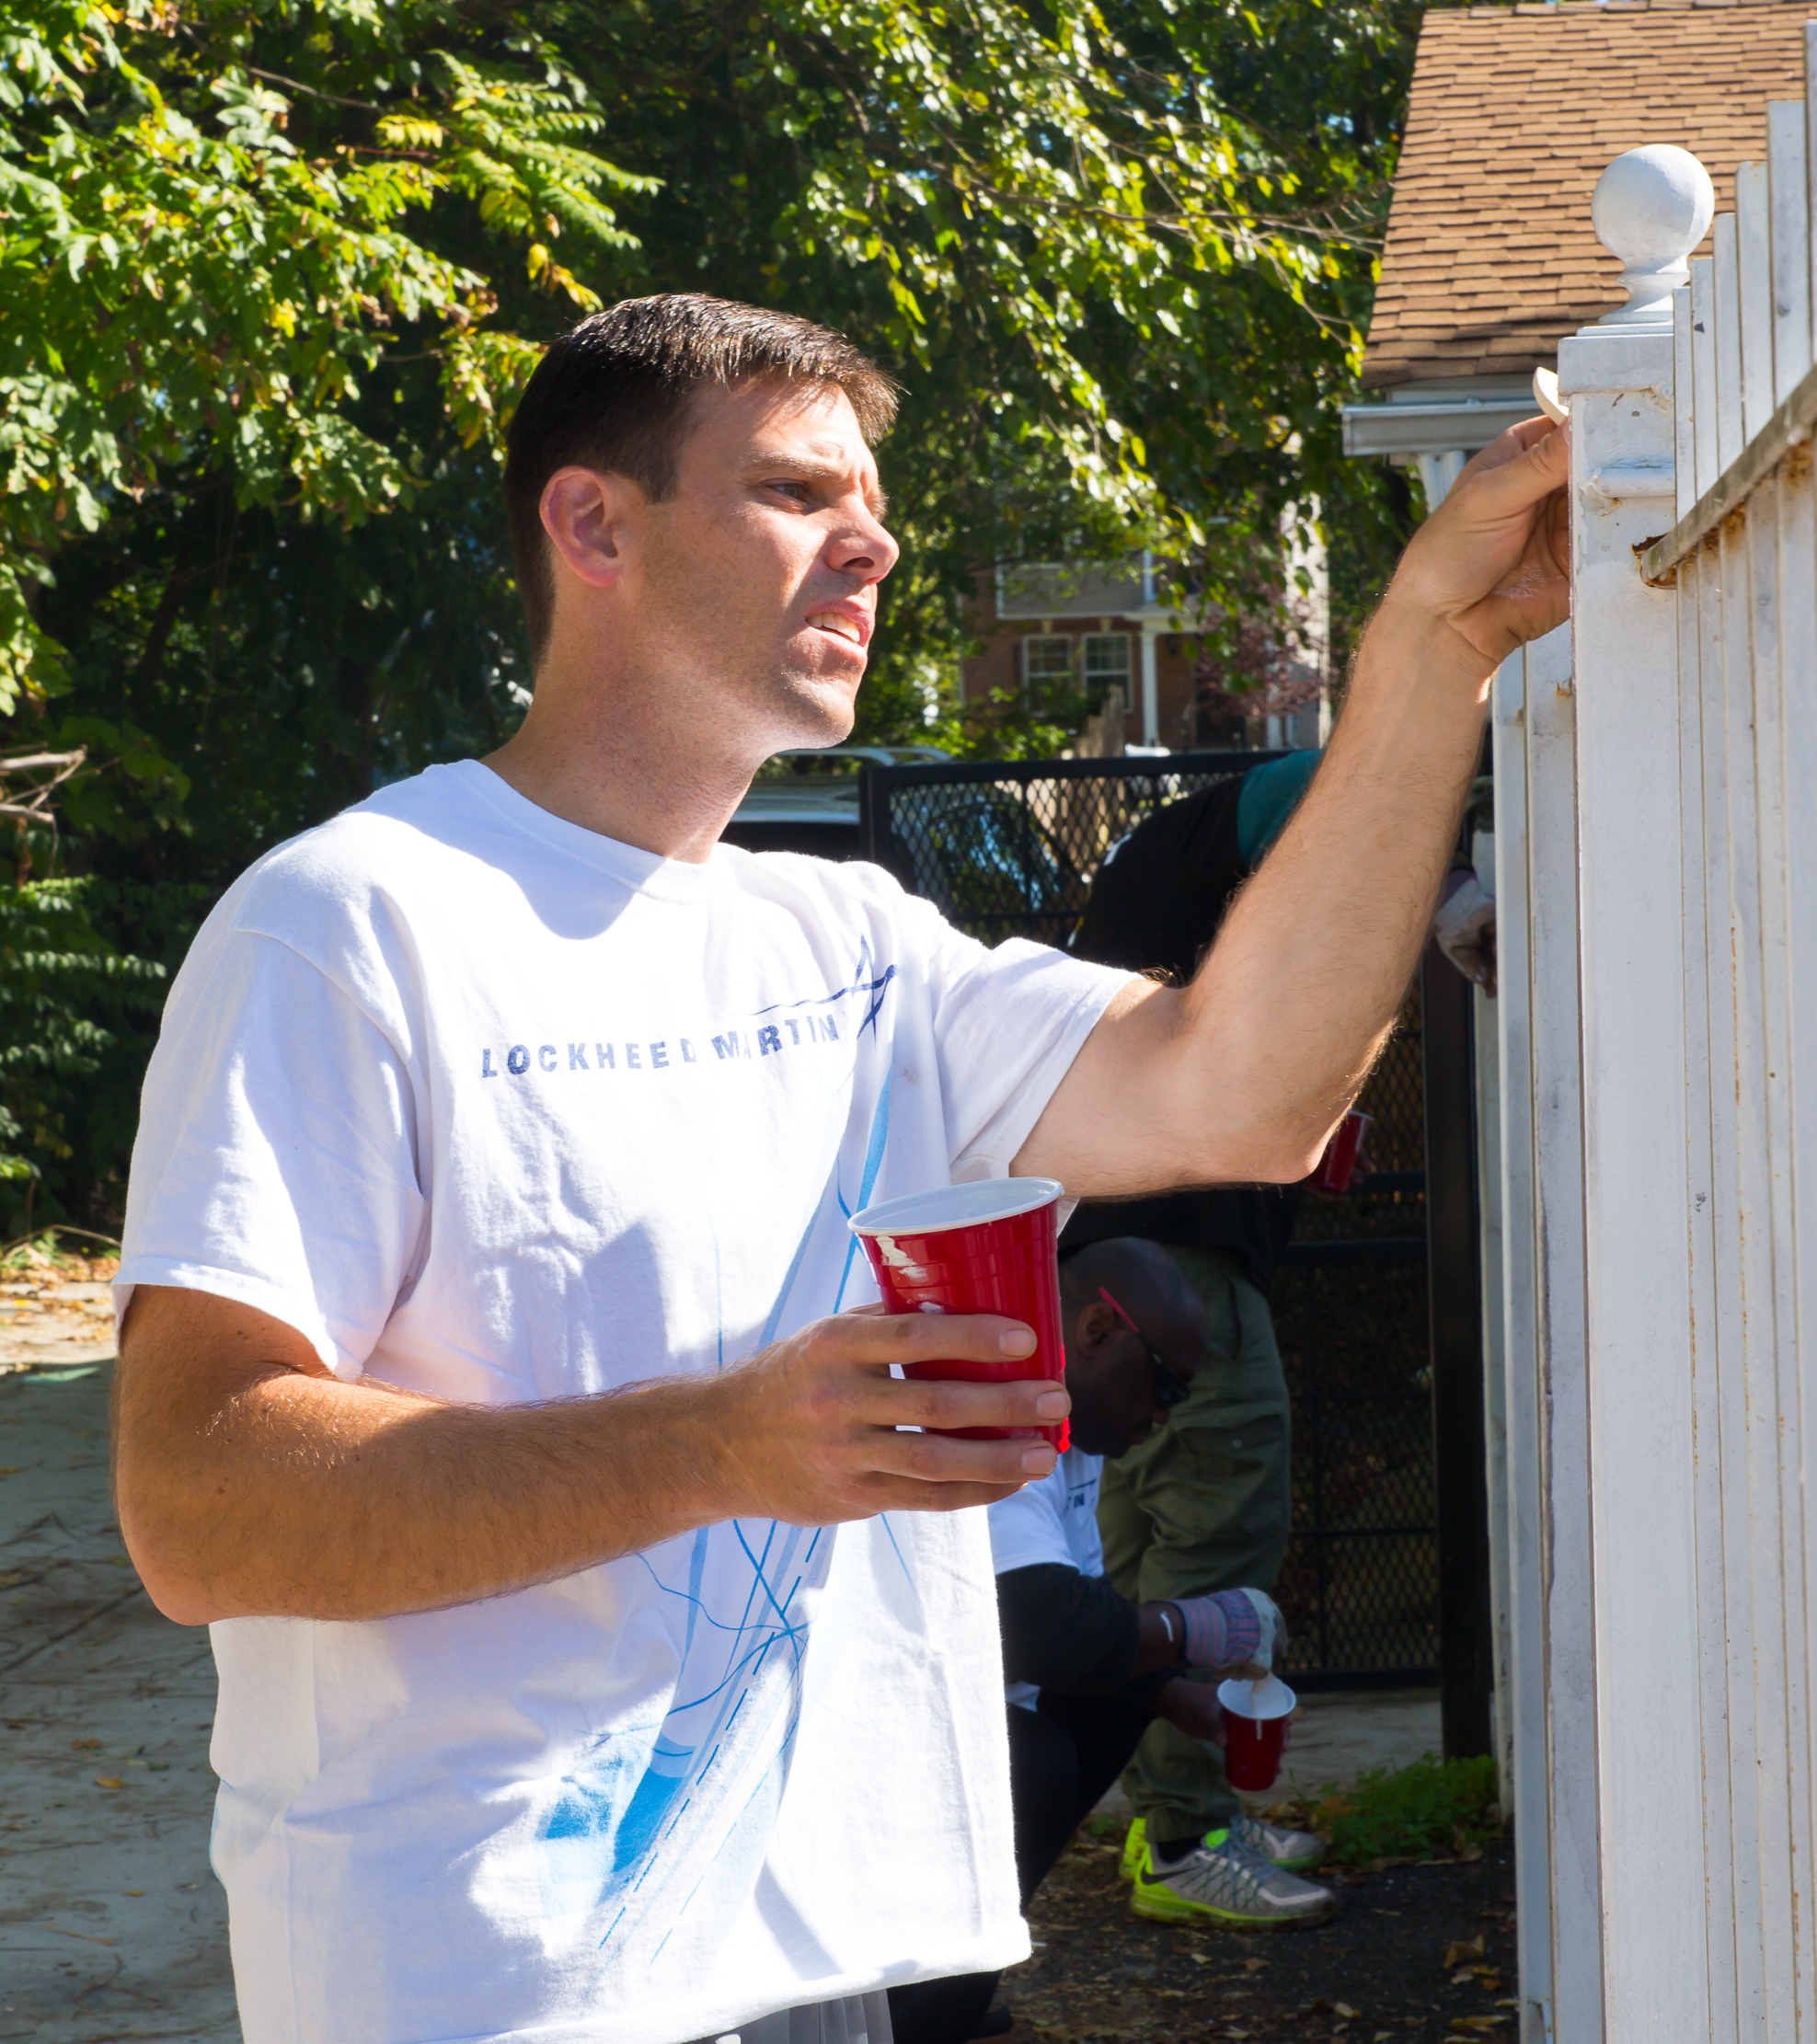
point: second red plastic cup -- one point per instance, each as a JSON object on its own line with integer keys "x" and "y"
{"x": 1337, "y": 1166}
{"x": 1255, "y": 1730}
{"x": 987, "y": 1247}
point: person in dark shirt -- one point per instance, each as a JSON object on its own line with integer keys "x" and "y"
{"x": 1206, "y": 1504}
{"x": 1086, "y": 1669}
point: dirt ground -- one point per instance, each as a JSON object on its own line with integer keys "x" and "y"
{"x": 1376, "y": 1972}
{"x": 112, "y": 1925}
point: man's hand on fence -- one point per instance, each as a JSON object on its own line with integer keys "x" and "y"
{"x": 1493, "y": 561}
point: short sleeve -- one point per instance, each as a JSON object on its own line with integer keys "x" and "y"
{"x": 1028, "y": 1527}
{"x": 1007, "y": 1024}
{"x": 276, "y": 1161}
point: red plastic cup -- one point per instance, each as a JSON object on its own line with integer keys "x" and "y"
{"x": 1337, "y": 1164}
{"x": 1255, "y": 1730}
{"x": 988, "y": 1247}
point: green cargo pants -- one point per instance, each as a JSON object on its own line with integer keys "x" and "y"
{"x": 1206, "y": 1503}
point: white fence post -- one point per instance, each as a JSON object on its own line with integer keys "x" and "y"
{"x": 1652, "y": 209}
{"x": 1557, "y": 1875}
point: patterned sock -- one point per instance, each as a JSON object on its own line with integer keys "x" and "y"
{"x": 1223, "y": 1630}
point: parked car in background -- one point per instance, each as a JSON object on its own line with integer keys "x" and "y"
{"x": 807, "y": 800}
{"x": 972, "y": 845}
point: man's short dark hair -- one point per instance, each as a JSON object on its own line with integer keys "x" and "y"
{"x": 615, "y": 395}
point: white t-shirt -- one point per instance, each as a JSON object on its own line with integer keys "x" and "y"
{"x": 1053, "y": 1521}
{"x": 499, "y": 1110}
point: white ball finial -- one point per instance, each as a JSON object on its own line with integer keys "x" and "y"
{"x": 1651, "y": 207}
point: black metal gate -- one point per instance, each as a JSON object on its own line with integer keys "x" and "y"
{"x": 1009, "y": 849}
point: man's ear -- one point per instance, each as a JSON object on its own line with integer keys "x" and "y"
{"x": 1096, "y": 1322}
{"x": 593, "y": 520}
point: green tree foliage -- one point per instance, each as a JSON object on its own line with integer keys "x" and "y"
{"x": 73, "y": 1011}
{"x": 271, "y": 273}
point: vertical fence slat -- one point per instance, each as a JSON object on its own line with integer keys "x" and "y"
{"x": 1787, "y": 1768}
{"x": 1754, "y": 255}
{"x": 1703, "y": 373}
{"x": 1789, "y": 192}
{"x": 1572, "y": 1777}
{"x": 1811, "y": 170}
{"x": 1684, "y": 436}
{"x": 1758, "y": 1586}
{"x": 1726, "y": 320}
{"x": 1798, "y": 776}
{"x": 1521, "y": 1398}
{"x": 1700, "y": 618}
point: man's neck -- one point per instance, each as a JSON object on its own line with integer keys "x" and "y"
{"x": 612, "y": 761}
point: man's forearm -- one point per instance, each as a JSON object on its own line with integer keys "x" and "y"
{"x": 1310, "y": 969}
{"x": 1240, "y": 1077}
{"x": 304, "y": 1497}
{"x": 251, "y": 1483}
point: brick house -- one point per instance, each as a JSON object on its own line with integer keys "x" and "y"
{"x": 1103, "y": 627}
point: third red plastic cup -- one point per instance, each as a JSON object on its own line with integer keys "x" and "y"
{"x": 1255, "y": 1730}
{"x": 1338, "y": 1161}
{"x": 988, "y": 1247}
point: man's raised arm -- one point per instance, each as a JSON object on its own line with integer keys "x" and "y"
{"x": 251, "y": 1483}
{"x": 1241, "y": 1077}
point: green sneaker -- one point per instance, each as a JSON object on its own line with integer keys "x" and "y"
{"x": 1135, "y": 1848}
{"x": 1226, "y": 1885}
{"x": 1297, "y": 1851}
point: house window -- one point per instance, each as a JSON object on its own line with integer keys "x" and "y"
{"x": 1047, "y": 656}
{"x": 1107, "y": 661}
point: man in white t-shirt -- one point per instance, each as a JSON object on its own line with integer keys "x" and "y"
{"x": 599, "y": 1658}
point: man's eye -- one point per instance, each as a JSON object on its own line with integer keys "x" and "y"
{"x": 798, "y": 490}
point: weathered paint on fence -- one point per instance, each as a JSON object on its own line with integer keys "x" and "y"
{"x": 1658, "y": 1053}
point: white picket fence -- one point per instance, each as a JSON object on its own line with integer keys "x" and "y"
{"x": 1656, "y": 857}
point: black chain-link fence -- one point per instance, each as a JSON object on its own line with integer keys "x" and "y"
{"x": 1009, "y": 849}
{"x": 1351, "y": 1313}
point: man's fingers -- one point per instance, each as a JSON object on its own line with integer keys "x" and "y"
{"x": 1516, "y": 474}
{"x": 902, "y": 1494}
{"x": 1539, "y": 438}
{"x": 941, "y": 1459}
{"x": 871, "y": 1339}
{"x": 948, "y": 1404}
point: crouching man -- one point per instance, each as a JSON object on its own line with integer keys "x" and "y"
{"x": 1086, "y": 1670}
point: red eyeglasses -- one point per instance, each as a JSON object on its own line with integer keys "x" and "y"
{"x": 1170, "y": 1388}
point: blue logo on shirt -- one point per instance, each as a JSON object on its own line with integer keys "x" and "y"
{"x": 797, "y": 1025}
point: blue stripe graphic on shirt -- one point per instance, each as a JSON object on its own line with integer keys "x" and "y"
{"x": 644, "y": 1804}
{"x": 873, "y": 1159}
{"x": 619, "y": 1810}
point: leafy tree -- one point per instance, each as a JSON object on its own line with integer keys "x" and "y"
{"x": 272, "y": 271}
{"x": 67, "y": 1000}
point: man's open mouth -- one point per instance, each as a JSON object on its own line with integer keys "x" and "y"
{"x": 841, "y": 627}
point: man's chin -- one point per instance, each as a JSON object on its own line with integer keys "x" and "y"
{"x": 818, "y": 709}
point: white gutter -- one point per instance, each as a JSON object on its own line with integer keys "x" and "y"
{"x": 1434, "y": 426}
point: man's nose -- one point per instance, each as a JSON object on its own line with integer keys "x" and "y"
{"x": 864, "y": 547}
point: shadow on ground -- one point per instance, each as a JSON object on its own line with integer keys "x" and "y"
{"x": 112, "y": 1923}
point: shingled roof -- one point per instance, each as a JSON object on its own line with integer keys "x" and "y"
{"x": 1515, "y": 110}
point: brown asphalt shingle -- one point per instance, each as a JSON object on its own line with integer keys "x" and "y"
{"x": 1515, "y": 112}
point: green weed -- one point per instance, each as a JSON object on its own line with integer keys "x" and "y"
{"x": 1431, "y": 1809}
